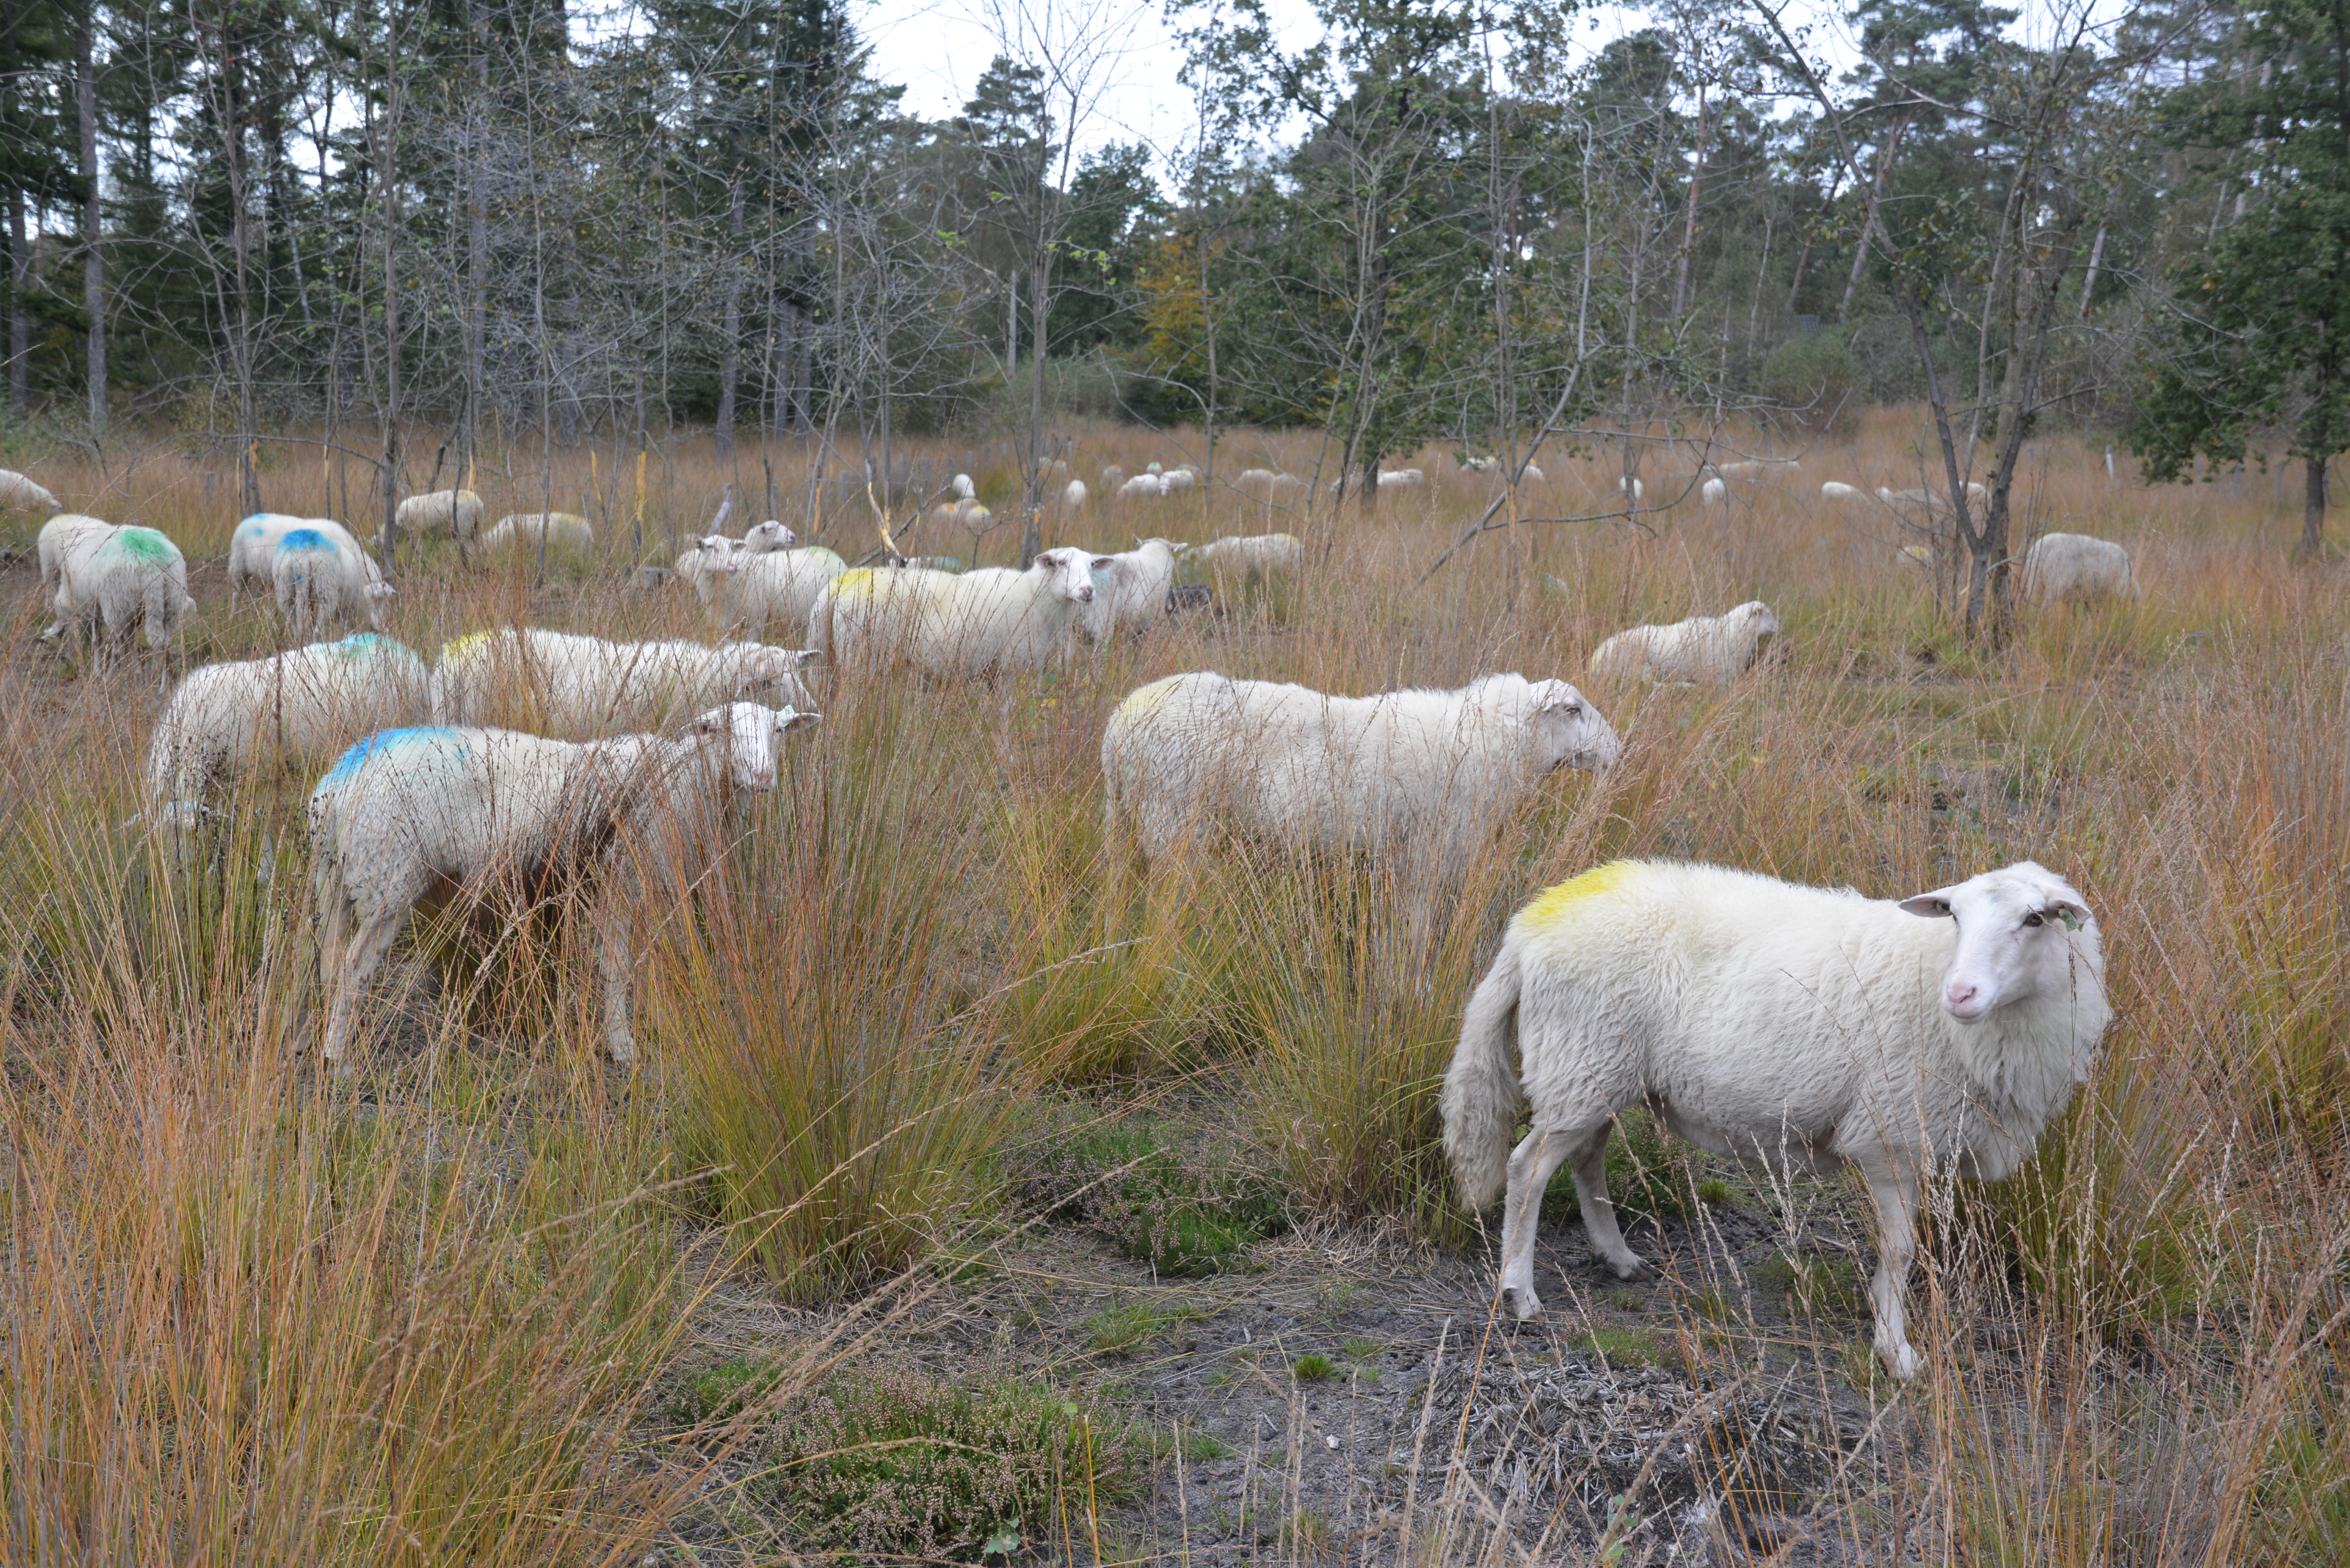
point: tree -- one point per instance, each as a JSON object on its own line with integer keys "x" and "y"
{"x": 2259, "y": 332}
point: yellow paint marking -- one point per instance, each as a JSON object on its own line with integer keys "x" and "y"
{"x": 1143, "y": 700}
{"x": 464, "y": 648}
{"x": 1554, "y": 905}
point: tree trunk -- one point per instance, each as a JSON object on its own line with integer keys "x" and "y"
{"x": 93, "y": 261}
{"x": 1688, "y": 224}
{"x": 477, "y": 253}
{"x": 2313, "y": 511}
{"x": 730, "y": 359}
{"x": 20, "y": 320}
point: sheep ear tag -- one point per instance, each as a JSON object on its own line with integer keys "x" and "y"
{"x": 2071, "y": 916}
{"x": 1933, "y": 906}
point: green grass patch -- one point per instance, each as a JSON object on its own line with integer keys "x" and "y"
{"x": 1629, "y": 1347}
{"x": 1815, "y": 1286}
{"x": 1313, "y": 1367}
{"x": 1127, "y": 1328}
{"x": 1188, "y": 1211}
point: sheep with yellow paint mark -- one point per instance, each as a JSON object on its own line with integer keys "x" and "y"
{"x": 976, "y": 625}
{"x": 1803, "y": 1028}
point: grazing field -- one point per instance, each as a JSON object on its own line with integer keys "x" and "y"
{"x": 971, "y": 1198}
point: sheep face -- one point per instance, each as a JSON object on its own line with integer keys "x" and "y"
{"x": 759, "y": 665}
{"x": 749, "y": 732}
{"x": 1569, "y": 733}
{"x": 769, "y": 536}
{"x": 1070, "y": 573}
{"x": 2022, "y": 933}
{"x": 1759, "y": 619}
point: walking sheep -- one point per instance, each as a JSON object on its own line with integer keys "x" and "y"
{"x": 19, "y": 494}
{"x": 121, "y": 577}
{"x": 563, "y": 684}
{"x": 2063, "y": 567}
{"x": 1800, "y": 1027}
{"x": 1421, "y": 778}
{"x": 456, "y": 512}
{"x": 223, "y": 719}
{"x": 1706, "y": 649}
{"x": 408, "y": 814}
{"x": 321, "y": 580}
{"x": 1130, "y": 593}
{"x": 994, "y": 621}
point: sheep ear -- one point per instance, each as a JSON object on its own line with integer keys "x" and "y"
{"x": 1933, "y": 906}
{"x": 807, "y": 656}
{"x": 793, "y": 718}
{"x": 2071, "y": 914}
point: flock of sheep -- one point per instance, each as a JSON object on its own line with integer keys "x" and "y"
{"x": 1796, "y": 1026}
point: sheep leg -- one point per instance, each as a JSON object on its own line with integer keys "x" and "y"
{"x": 1532, "y": 1165}
{"x": 1587, "y": 1157}
{"x": 355, "y": 966}
{"x": 1896, "y": 1197}
{"x": 613, "y": 965}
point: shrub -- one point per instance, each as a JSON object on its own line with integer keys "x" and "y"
{"x": 1814, "y": 378}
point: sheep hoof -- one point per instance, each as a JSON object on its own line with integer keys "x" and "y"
{"x": 1521, "y": 1305}
{"x": 1905, "y": 1363}
{"x": 1632, "y": 1270}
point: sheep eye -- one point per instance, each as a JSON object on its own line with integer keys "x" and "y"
{"x": 2033, "y": 919}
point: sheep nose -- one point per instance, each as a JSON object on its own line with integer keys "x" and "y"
{"x": 1959, "y": 995}
{"x": 1086, "y": 594}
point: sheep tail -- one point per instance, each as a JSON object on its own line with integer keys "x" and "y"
{"x": 1480, "y": 1090}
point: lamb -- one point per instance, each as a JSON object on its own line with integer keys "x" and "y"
{"x": 321, "y": 579}
{"x": 1419, "y": 778}
{"x": 560, "y": 530}
{"x": 2061, "y": 567}
{"x": 121, "y": 577}
{"x": 781, "y": 586}
{"x": 1130, "y": 593}
{"x": 581, "y": 687}
{"x": 252, "y": 547}
{"x": 224, "y": 718}
{"x": 18, "y": 493}
{"x": 1706, "y": 649}
{"x": 1835, "y": 489}
{"x": 407, "y": 813}
{"x": 1249, "y": 559}
{"x": 1800, "y": 1027}
{"x": 456, "y": 512}
{"x": 983, "y": 624}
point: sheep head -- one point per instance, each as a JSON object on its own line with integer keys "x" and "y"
{"x": 749, "y": 731}
{"x": 1571, "y": 732}
{"x": 1070, "y": 573}
{"x": 2024, "y": 931}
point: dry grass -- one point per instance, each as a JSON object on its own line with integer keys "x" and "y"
{"x": 248, "y": 1315}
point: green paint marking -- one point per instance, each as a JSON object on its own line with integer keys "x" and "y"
{"x": 144, "y": 545}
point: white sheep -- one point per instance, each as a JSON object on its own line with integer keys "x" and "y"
{"x": 321, "y": 580}
{"x": 1532, "y": 472}
{"x": 780, "y": 587}
{"x": 456, "y": 512}
{"x": 1926, "y": 498}
{"x": 1130, "y": 592}
{"x": 18, "y": 493}
{"x": 55, "y": 534}
{"x": 1632, "y": 487}
{"x": 1264, "y": 480}
{"x": 1805, "y": 1028}
{"x": 1836, "y": 490}
{"x": 1142, "y": 487}
{"x": 1249, "y": 559}
{"x": 253, "y": 545}
{"x": 1753, "y": 468}
{"x": 1176, "y": 479}
{"x": 1707, "y": 650}
{"x": 1713, "y": 492}
{"x": 121, "y": 577}
{"x": 1073, "y": 495}
{"x": 990, "y": 622}
{"x": 561, "y": 530}
{"x": 2060, "y": 566}
{"x": 491, "y": 813}
{"x": 707, "y": 568}
{"x": 1419, "y": 778}
{"x": 1402, "y": 479}
{"x": 1480, "y": 464}
{"x": 963, "y": 488}
{"x": 767, "y": 538}
{"x": 224, "y": 718}
{"x": 569, "y": 685}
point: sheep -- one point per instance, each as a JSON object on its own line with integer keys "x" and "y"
{"x": 320, "y": 579}
{"x": 1706, "y": 649}
{"x": 1266, "y": 480}
{"x": 1402, "y": 479}
{"x": 952, "y": 564}
{"x": 781, "y": 586}
{"x": 118, "y": 577}
{"x": 990, "y": 622}
{"x": 1926, "y": 498}
{"x": 1532, "y": 472}
{"x": 253, "y": 546}
{"x": 1142, "y": 487}
{"x": 1800, "y": 1027}
{"x": 223, "y": 718}
{"x": 2061, "y": 567}
{"x": 456, "y": 512}
{"x": 1835, "y": 489}
{"x": 1713, "y": 492}
{"x": 1130, "y": 593}
{"x": 409, "y": 813}
{"x": 1176, "y": 479}
{"x": 560, "y": 530}
{"x": 1753, "y": 468}
{"x": 1418, "y": 778}
{"x": 1480, "y": 464}
{"x": 767, "y": 538}
{"x": 707, "y": 568}
{"x": 1925, "y": 558}
{"x": 963, "y": 488}
{"x": 581, "y": 687}
{"x": 1112, "y": 476}
{"x": 1073, "y": 495}
{"x": 1633, "y": 488}
{"x": 19, "y": 494}
{"x": 55, "y": 534}
{"x": 1249, "y": 559}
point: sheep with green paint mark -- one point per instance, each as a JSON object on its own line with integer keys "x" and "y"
{"x": 121, "y": 577}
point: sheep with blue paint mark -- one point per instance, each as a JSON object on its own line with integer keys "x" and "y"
{"x": 253, "y": 545}
{"x": 225, "y": 719}
{"x": 1803, "y": 1028}
{"x": 563, "y": 683}
{"x": 982, "y": 624}
{"x": 322, "y": 580}
{"x": 121, "y": 577}
{"x": 414, "y": 815}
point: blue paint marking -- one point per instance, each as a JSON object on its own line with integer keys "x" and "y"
{"x": 348, "y": 763}
{"x": 363, "y": 645}
{"x": 304, "y": 539}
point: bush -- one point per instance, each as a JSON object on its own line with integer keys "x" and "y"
{"x": 1814, "y": 378}
{"x": 1133, "y": 1183}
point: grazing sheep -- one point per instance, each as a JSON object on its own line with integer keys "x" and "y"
{"x": 1421, "y": 778}
{"x": 1532, "y": 472}
{"x": 1633, "y": 488}
{"x": 1249, "y": 559}
{"x": 1266, "y": 482}
{"x": 561, "y": 530}
{"x": 767, "y": 538}
{"x": 55, "y": 534}
{"x": 1926, "y": 498}
{"x": 963, "y": 488}
{"x": 1753, "y": 468}
{"x": 1402, "y": 479}
{"x": 1142, "y": 487}
{"x": 990, "y": 622}
{"x": 1073, "y": 495}
{"x": 1925, "y": 558}
{"x": 121, "y": 577}
{"x": 408, "y": 814}
{"x": 224, "y": 718}
{"x": 1801, "y": 1027}
{"x": 568, "y": 685}
{"x": 780, "y": 587}
{"x": 1130, "y": 592}
{"x": 18, "y": 493}
{"x": 1713, "y": 492}
{"x": 321, "y": 579}
{"x": 456, "y": 512}
{"x": 1176, "y": 479}
{"x": 2061, "y": 567}
{"x": 1480, "y": 464}
{"x": 1708, "y": 649}
{"x": 1835, "y": 489}
{"x": 252, "y": 547}
{"x": 1112, "y": 476}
